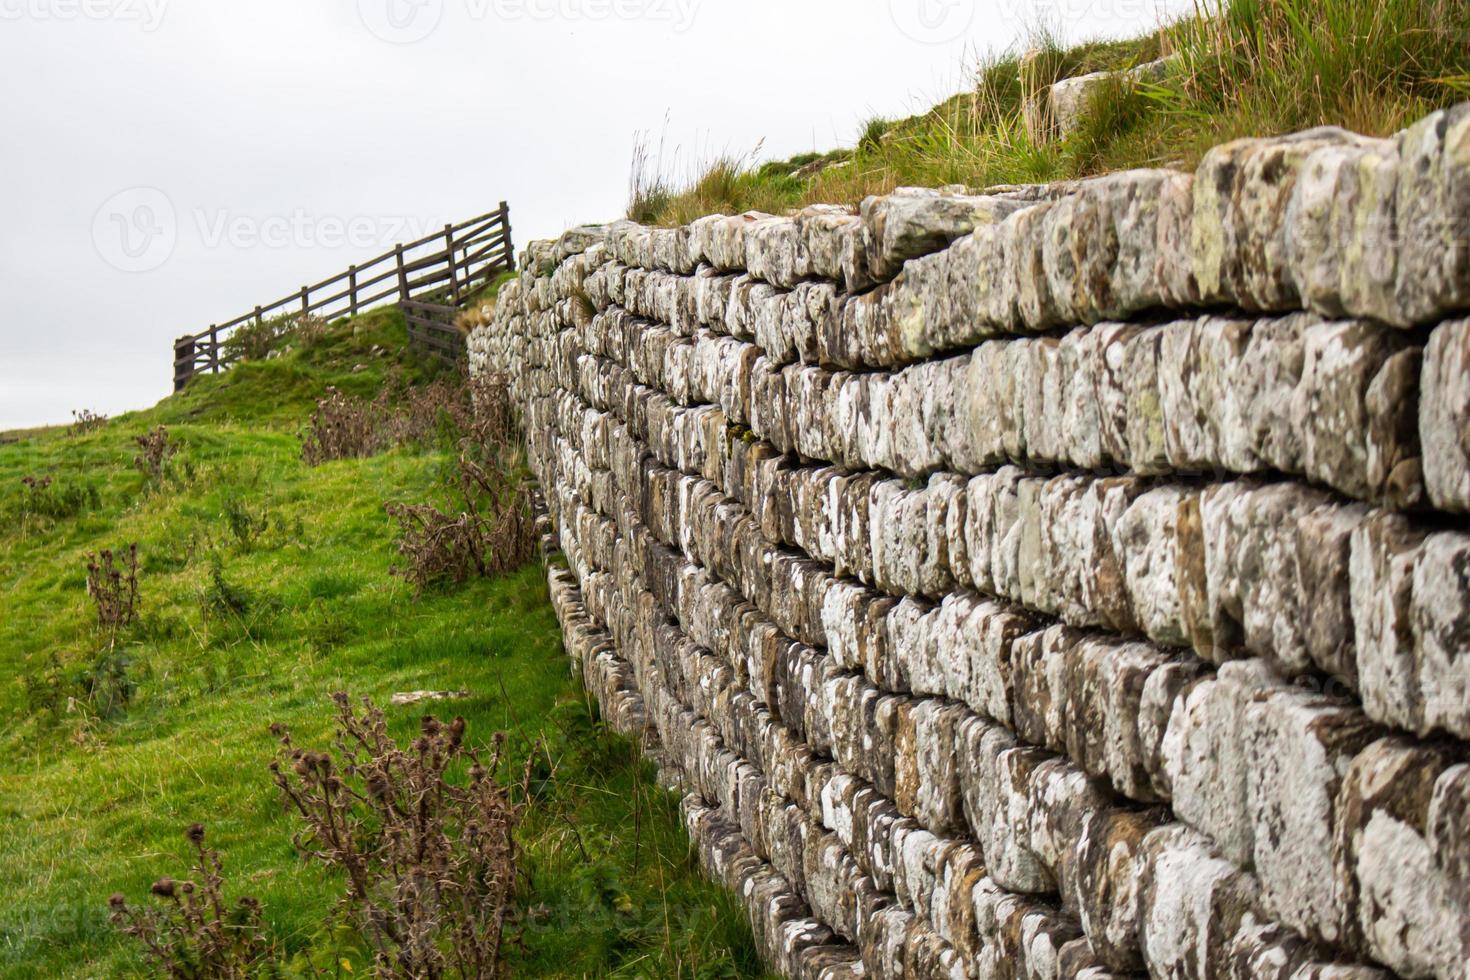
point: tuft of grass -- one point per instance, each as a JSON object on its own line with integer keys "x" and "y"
{"x": 1271, "y": 66}
{"x": 1242, "y": 68}
{"x": 728, "y": 183}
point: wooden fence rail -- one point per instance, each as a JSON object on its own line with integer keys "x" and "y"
{"x": 428, "y": 278}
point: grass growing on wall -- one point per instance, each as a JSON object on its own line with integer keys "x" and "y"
{"x": 111, "y": 746}
{"x": 1252, "y": 68}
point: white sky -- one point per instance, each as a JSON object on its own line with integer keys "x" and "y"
{"x": 273, "y": 142}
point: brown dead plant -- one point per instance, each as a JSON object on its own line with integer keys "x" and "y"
{"x": 489, "y": 528}
{"x": 192, "y": 933}
{"x": 154, "y": 451}
{"x": 342, "y": 427}
{"x": 425, "y": 835}
{"x": 113, "y": 587}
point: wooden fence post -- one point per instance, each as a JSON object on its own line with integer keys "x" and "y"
{"x": 352, "y": 289}
{"x": 305, "y": 300}
{"x": 213, "y": 349}
{"x": 449, "y": 254}
{"x": 183, "y": 362}
{"x": 507, "y": 249}
{"x": 257, "y": 316}
{"x": 402, "y": 275}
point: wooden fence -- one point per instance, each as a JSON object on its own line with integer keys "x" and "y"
{"x": 431, "y": 326}
{"x": 428, "y": 278}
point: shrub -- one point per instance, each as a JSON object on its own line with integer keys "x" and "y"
{"x": 341, "y": 427}
{"x": 114, "y": 587}
{"x": 492, "y": 532}
{"x": 246, "y": 526}
{"x": 492, "y": 421}
{"x": 221, "y": 598}
{"x": 436, "y": 412}
{"x": 100, "y": 688}
{"x": 430, "y": 859}
{"x": 443, "y": 411}
{"x": 191, "y": 932}
{"x": 154, "y": 452}
{"x": 255, "y": 340}
{"x": 310, "y": 329}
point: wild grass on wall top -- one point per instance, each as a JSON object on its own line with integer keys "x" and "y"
{"x": 1249, "y": 68}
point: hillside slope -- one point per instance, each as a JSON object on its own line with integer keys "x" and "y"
{"x": 109, "y": 747}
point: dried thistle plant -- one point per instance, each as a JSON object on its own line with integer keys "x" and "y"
{"x": 492, "y": 422}
{"x": 114, "y": 587}
{"x": 425, "y": 835}
{"x": 341, "y": 427}
{"x": 423, "y": 412}
{"x": 191, "y": 932}
{"x": 154, "y": 452}
{"x": 492, "y": 532}
{"x": 85, "y": 420}
{"x": 456, "y": 407}
{"x": 310, "y": 329}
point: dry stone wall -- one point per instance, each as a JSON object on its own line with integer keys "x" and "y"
{"x": 1060, "y": 581}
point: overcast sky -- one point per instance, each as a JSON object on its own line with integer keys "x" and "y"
{"x": 171, "y": 163}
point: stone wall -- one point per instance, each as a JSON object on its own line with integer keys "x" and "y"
{"x": 1060, "y": 581}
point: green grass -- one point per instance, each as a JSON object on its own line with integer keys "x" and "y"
{"x": 95, "y": 793}
{"x": 1255, "y": 68}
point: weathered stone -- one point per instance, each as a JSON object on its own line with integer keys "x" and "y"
{"x": 1239, "y": 234}
{"x": 1297, "y": 748}
{"x": 828, "y": 603}
{"x": 1341, "y": 229}
{"x": 1205, "y": 758}
{"x": 1252, "y": 552}
{"x": 1146, "y": 536}
{"x": 1444, "y": 416}
{"x": 1411, "y": 607}
{"x": 914, "y": 221}
{"x": 1410, "y": 913}
{"x": 1069, "y": 99}
{"x": 1067, "y": 102}
{"x": 1023, "y": 937}
{"x": 1061, "y": 796}
{"x": 994, "y": 773}
{"x": 1354, "y": 408}
{"x": 1324, "y": 555}
{"x": 1106, "y": 886}
{"x": 1448, "y": 813}
{"x": 1107, "y": 684}
{"x": 1431, "y": 200}
{"x": 1192, "y": 903}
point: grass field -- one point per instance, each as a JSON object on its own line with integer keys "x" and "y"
{"x": 111, "y": 745}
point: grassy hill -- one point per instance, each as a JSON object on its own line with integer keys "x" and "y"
{"x": 264, "y": 586}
